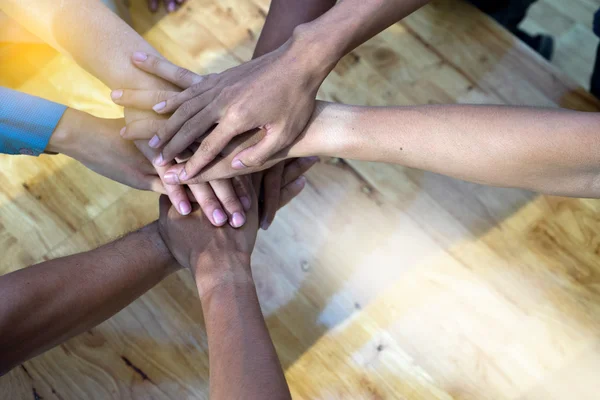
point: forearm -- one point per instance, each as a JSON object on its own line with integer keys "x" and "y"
{"x": 94, "y": 36}
{"x": 48, "y": 303}
{"x": 243, "y": 360}
{"x": 283, "y": 17}
{"x": 547, "y": 150}
{"x": 347, "y": 25}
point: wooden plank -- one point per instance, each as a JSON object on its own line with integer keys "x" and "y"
{"x": 379, "y": 281}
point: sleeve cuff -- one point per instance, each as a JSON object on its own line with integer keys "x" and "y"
{"x": 26, "y": 122}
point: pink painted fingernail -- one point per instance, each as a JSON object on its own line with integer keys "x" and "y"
{"x": 171, "y": 178}
{"x": 140, "y": 56}
{"x": 183, "y": 175}
{"x": 300, "y": 181}
{"x": 185, "y": 208}
{"x": 171, "y": 7}
{"x": 154, "y": 144}
{"x": 116, "y": 94}
{"x": 219, "y": 217}
{"x": 122, "y": 132}
{"x": 237, "y": 164}
{"x": 160, "y": 106}
{"x": 158, "y": 161}
{"x": 237, "y": 220}
{"x": 245, "y": 202}
{"x": 265, "y": 225}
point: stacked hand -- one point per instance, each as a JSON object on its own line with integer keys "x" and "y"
{"x": 207, "y": 251}
{"x": 204, "y": 104}
{"x": 95, "y": 142}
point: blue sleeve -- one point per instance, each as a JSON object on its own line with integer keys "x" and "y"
{"x": 26, "y": 122}
{"x": 597, "y": 23}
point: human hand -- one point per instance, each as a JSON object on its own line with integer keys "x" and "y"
{"x": 275, "y": 92}
{"x": 220, "y": 167}
{"x": 95, "y": 142}
{"x": 170, "y": 5}
{"x": 221, "y": 199}
{"x": 204, "y": 249}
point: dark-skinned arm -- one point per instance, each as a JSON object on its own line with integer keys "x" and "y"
{"x": 48, "y": 303}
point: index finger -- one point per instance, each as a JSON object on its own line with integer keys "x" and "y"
{"x": 166, "y": 70}
{"x": 176, "y": 193}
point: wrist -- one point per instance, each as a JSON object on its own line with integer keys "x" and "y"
{"x": 63, "y": 132}
{"x": 66, "y": 137}
{"x": 162, "y": 255}
{"x": 214, "y": 274}
{"x": 331, "y": 132}
{"x": 306, "y": 46}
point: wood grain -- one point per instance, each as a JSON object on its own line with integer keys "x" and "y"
{"x": 378, "y": 282}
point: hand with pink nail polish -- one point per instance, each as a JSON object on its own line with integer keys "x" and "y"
{"x": 198, "y": 245}
{"x": 272, "y": 93}
{"x": 193, "y": 238}
{"x": 95, "y": 143}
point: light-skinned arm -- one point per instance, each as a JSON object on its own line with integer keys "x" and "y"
{"x": 553, "y": 151}
{"x": 95, "y": 142}
{"x": 48, "y": 303}
{"x": 548, "y": 150}
{"x": 102, "y": 43}
{"x": 275, "y": 91}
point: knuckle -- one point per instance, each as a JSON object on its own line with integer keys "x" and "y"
{"x": 182, "y": 74}
{"x": 187, "y": 108}
{"x": 211, "y": 79}
{"x": 189, "y": 131}
{"x": 256, "y": 160}
{"x": 196, "y": 89}
{"x": 153, "y": 61}
{"x": 208, "y": 203}
{"x": 235, "y": 114}
{"x": 160, "y": 96}
{"x": 228, "y": 93}
{"x": 206, "y": 147}
{"x": 230, "y": 203}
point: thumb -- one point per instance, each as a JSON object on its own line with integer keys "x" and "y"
{"x": 258, "y": 154}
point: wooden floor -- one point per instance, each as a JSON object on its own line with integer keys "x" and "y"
{"x": 378, "y": 282}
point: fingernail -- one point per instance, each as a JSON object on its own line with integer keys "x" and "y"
{"x": 300, "y": 181}
{"x": 159, "y": 106}
{"x": 265, "y": 225}
{"x": 185, "y": 208}
{"x": 171, "y": 7}
{"x": 158, "y": 160}
{"x": 171, "y": 178}
{"x": 139, "y": 56}
{"x": 154, "y": 144}
{"x": 122, "y": 132}
{"x": 245, "y": 202}
{"x": 116, "y": 94}
{"x": 183, "y": 175}
{"x": 237, "y": 164}
{"x": 219, "y": 217}
{"x": 237, "y": 220}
